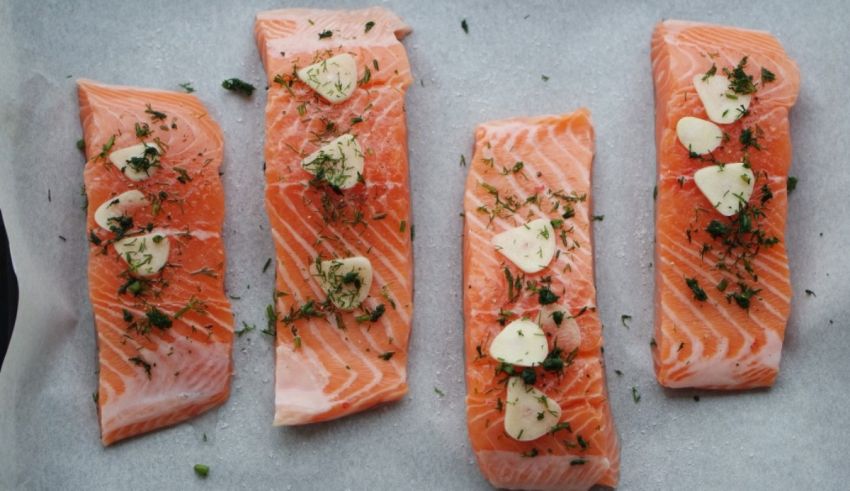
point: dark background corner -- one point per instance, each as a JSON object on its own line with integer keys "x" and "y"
{"x": 8, "y": 292}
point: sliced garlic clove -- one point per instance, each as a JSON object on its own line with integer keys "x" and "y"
{"x": 137, "y": 162}
{"x": 727, "y": 187}
{"x": 339, "y": 163}
{"x": 117, "y": 206}
{"x": 522, "y": 343}
{"x": 530, "y": 247}
{"x": 567, "y": 336}
{"x": 346, "y": 281}
{"x": 146, "y": 254}
{"x": 529, "y": 413}
{"x": 698, "y": 135}
{"x": 334, "y": 79}
{"x": 721, "y": 104}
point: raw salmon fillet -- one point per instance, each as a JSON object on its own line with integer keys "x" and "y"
{"x": 553, "y": 183}
{"x": 329, "y": 362}
{"x": 164, "y": 340}
{"x": 733, "y": 338}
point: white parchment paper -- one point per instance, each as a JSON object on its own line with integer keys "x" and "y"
{"x": 793, "y": 436}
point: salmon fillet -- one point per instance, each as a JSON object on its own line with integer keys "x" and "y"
{"x": 525, "y": 169}
{"x": 164, "y": 339}
{"x": 722, "y": 291}
{"x": 331, "y": 362}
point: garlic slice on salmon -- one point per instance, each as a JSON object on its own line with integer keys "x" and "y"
{"x": 522, "y": 343}
{"x": 567, "y": 335}
{"x": 117, "y": 206}
{"x": 339, "y": 163}
{"x": 334, "y": 79}
{"x": 721, "y": 104}
{"x": 529, "y": 413}
{"x": 346, "y": 281}
{"x": 728, "y": 187}
{"x": 531, "y": 246}
{"x": 146, "y": 254}
{"x": 698, "y": 135}
{"x": 137, "y": 162}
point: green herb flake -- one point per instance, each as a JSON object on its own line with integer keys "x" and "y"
{"x": 182, "y": 175}
{"x": 767, "y": 76}
{"x": 141, "y": 362}
{"x": 238, "y": 86}
{"x": 465, "y": 26}
{"x": 545, "y": 296}
{"x": 142, "y": 130}
{"x": 187, "y": 86}
{"x": 625, "y": 319}
{"x": 246, "y": 328}
{"x": 386, "y": 355}
{"x": 202, "y": 470}
{"x": 325, "y": 34}
{"x": 271, "y": 321}
{"x": 81, "y": 144}
{"x": 369, "y": 26}
{"x": 635, "y": 394}
{"x": 555, "y": 363}
{"x": 699, "y": 293}
{"x": 529, "y": 376}
{"x": 791, "y": 185}
{"x": 367, "y": 76}
{"x": 514, "y": 285}
{"x": 505, "y": 368}
{"x": 158, "y": 318}
{"x": 558, "y": 317}
{"x": 563, "y": 425}
{"x": 372, "y": 315}
{"x": 194, "y": 305}
{"x": 439, "y": 392}
{"x": 717, "y": 229}
{"x": 739, "y": 81}
{"x": 743, "y": 295}
{"x": 582, "y": 442}
{"x": 598, "y": 218}
{"x": 749, "y": 138}
{"x": 107, "y": 147}
{"x": 154, "y": 114}
{"x": 266, "y": 266}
